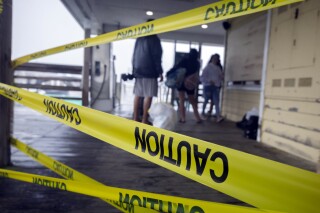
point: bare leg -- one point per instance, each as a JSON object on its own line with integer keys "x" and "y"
{"x": 194, "y": 104}
{"x": 136, "y": 108}
{"x": 182, "y": 109}
{"x": 146, "y": 106}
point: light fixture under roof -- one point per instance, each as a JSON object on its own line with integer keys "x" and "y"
{"x": 149, "y": 13}
{"x": 204, "y": 26}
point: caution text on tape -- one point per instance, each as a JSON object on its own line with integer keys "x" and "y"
{"x": 260, "y": 182}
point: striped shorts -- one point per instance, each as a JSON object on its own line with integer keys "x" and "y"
{"x": 146, "y": 87}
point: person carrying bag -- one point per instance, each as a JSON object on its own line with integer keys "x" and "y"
{"x": 190, "y": 63}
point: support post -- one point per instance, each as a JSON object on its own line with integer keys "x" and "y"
{"x": 264, "y": 73}
{"x": 85, "y": 72}
{"x": 6, "y": 76}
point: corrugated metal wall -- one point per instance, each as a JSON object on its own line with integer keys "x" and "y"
{"x": 291, "y": 118}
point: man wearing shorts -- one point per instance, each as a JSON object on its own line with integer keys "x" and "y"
{"x": 146, "y": 63}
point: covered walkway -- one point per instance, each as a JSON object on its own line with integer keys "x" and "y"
{"x": 112, "y": 166}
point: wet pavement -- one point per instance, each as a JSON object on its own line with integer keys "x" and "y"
{"x": 112, "y": 166}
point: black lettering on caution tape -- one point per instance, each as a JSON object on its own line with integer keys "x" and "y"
{"x": 129, "y": 33}
{"x": 62, "y": 111}
{"x": 12, "y": 93}
{"x": 76, "y": 45}
{"x": 49, "y": 183}
{"x": 65, "y": 171}
{"x": 34, "y": 153}
{"x": 128, "y": 202}
{"x": 231, "y": 7}
{"x": 4, "y": 174}
{"x": 38, "y": 54}
{"x": 144, "y": 141}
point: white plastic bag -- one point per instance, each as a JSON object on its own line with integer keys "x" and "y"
{"x": 253, "y": 112}
{"x": 163, "y": 116}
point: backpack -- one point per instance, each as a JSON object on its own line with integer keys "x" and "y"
{"x": 249, "y": 126}
{"x": 175, "y": 78}
{"x": 192, "y": 81}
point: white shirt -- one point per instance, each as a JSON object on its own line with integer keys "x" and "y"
{"x": 212, "y": 73}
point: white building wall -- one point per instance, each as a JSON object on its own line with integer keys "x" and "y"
{"x": 291, "y": 118}
{"x": 244, "y": 59}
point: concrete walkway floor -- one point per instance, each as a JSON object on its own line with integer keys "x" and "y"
{"x": 112, "y": 166}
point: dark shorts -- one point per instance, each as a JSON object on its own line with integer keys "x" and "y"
{"x": 183, "y": 88}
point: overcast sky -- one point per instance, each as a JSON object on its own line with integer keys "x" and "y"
{"x": 43, "y": 24}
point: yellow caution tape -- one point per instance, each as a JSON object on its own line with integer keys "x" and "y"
{"x": 260, "y": 182}
{"x": 129, "y": 199}
{"x": 1, "y": 6}
{"x": 69, "y": 173}
{"x": 206, "y": 14}
{"x": 128, "y": 195}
